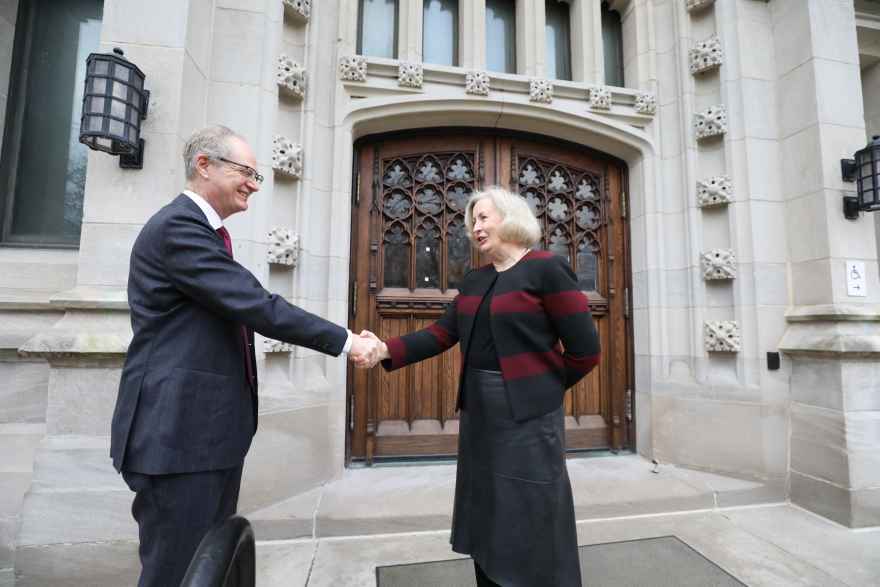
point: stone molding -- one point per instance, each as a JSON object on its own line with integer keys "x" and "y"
{"x": 287, "y": 157}
{"x": 850, "y": 331}
{"x": 600, "y": 98}
{"x": 706, "y": 55}
{"x": 276, "y": 346}
{"x": 695, "y": 5}
{"x": 719, "y": 264}
{"x": 283, "y": 247}
{"x": 714, "y": 191}
{"x": 646, "y": 103}
{"x": 299, "y": 10}
{"x": 711, "y": 122}
{"x": 291, "y": 77}
{"x": 353, "y": 68}
{"x": 476, "y": 83}
{"x": 721, "y": 336}
{"x": 410, "y": 75}
{"x": 541, "y": 91}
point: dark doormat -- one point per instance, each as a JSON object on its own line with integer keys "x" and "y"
{"x": 662, "y": 562}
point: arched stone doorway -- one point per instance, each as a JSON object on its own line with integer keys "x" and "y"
{"x": 409, "y": 250}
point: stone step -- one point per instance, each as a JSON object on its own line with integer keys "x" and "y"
{"x": 18, "y": 443}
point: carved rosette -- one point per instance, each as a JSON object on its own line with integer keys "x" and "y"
{"x": 277, "y": 346}
{"x": 711, "y": 122}
{"x": 714, "y": 191}
{"x": 410, "y": 75}
{"x": 646, "y": 103}
{"x": 353, "y": 68}
{"x": 287, "y": 157}
{"x": 600, "y": 98}
{"x": 721, "y": 336}
{"x": 476, "y": 83}
{"x": 706, "y": 55}
{"x": 283, "y": 247}
{"x": 695, "y": 5}
{"x": 541, "y": 90}
{"x": 291, "y": 77}
{"x": 299, "y": 10}
{"x": 719, "y": 264}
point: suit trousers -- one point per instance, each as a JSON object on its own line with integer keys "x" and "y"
{"x": 173, "y": 513}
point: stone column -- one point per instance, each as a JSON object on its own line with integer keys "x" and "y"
{"x": 832, "y": 338}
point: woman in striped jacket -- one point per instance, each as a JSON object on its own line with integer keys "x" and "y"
{"x": 513, "y": 511}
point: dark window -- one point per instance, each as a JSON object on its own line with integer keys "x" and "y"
{"x": 558, "y": 35}
{"x": 501, "y": 35}
{"x": 440, "y": 32}
{"x": 43, "y": 170}
{"x": 612, "y": 43}
{"x": 377, "y": 28}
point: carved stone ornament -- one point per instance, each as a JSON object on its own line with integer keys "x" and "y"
{"x": 298, "y": 9}
{"x": 291, "y": 77}
{"x": 646, "y": 103}
{"x": 353, "y": 68}
{"x": 283, "y": 247}
{"x": 706, "y": 55}
{"x": 276, "y": 346}
{"x": 714, "y": 191}
{"x": 721, "y": 336}
{"x": 695, "y": 5}
{"x": 409, "y": 75}
{"x": 541, "y": 90}
{"x": 476, "y": 83}
{"x": 719, "y": 264}
{"x": 600, "y": 98}
{"x": 287, "y": 157}
{"x": 711, "y": 122}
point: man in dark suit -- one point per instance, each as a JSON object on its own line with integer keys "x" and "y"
{"x": 187, "y": 405}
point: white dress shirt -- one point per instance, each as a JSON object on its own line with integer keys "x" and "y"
{"x": 216, "y": 222}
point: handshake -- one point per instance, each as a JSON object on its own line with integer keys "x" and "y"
{"x": 367, "y": 350}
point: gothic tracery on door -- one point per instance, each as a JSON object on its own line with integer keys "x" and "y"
{"x": 410, "y": 250}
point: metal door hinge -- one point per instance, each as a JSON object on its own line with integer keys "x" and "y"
{"x": 629, "y": 405}
{"x": 622, "y": 204}
{"x": 357, "y": 190}
{"x": 626, "y": 302}
{"x": 351, "y": 414}
{"x": 354, "y": 298}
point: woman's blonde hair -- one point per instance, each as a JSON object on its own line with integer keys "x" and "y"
{"x": 518, "y": 223}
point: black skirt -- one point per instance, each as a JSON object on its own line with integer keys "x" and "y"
{"x": 514, "y": 512}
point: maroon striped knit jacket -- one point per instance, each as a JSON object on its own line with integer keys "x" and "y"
{"x": 535, "y": 305}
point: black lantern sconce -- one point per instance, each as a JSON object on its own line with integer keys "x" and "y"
{"x": 864, "y": 169}
{"x": 114, "y": 104}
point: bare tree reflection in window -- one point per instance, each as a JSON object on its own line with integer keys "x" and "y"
{"x": 377, "y": 34}
{"x": 428, "y": 254}
{"x": 501, "y": 35}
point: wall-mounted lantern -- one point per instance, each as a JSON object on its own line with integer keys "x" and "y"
{"x": 114, "y": 104}
{"x": 864, "y": 169}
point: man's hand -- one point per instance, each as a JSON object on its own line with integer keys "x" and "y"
{"x": 367, "y": 349}
{"x": 364, "y": 351}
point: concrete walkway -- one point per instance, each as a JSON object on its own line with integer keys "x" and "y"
{"x": 337, "y": 534}
{"x": 761, "y": 545}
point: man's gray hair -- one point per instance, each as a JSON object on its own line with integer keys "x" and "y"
{"x": 211, "y": 141}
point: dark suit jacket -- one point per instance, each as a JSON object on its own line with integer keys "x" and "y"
{"x": 184, "y": 401}
{"x": 535, "y": 305}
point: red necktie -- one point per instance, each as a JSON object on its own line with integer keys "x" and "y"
{"x": 227, "y": 242}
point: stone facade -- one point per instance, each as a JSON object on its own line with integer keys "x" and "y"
{"x": 740, "y": 162}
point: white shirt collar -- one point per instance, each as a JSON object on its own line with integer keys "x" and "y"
{"x": 213, "y": 218}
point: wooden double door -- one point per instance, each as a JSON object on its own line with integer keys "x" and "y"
{"x": 410, "y": 251}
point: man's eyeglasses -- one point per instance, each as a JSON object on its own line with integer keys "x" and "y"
{"x": 246, "y": 170}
